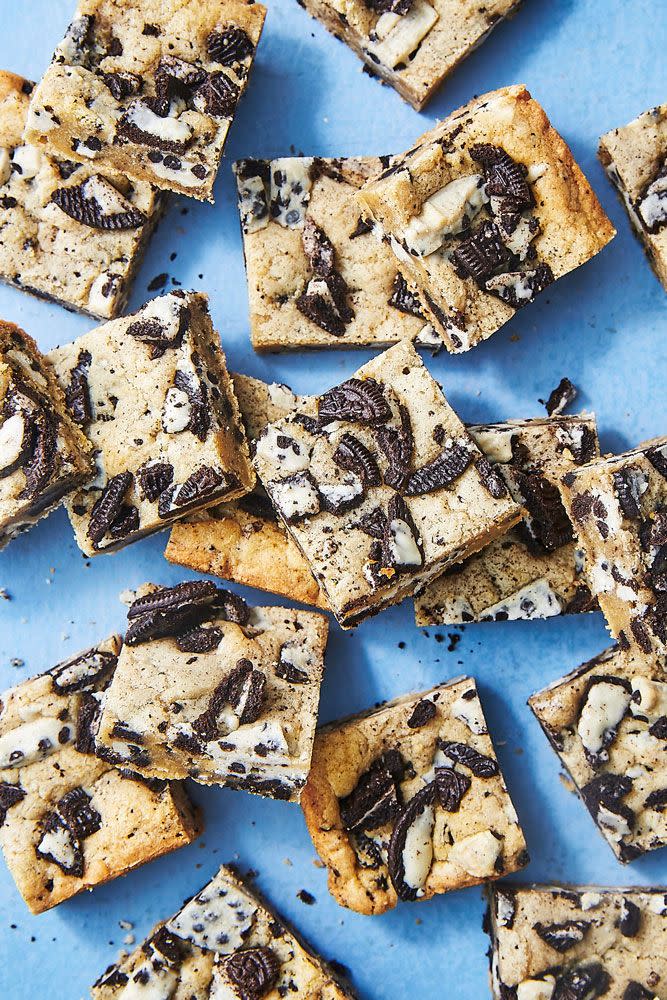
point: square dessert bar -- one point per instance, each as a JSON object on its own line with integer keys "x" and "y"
{"x": 317, "y": 275}
{"x": 411, "y": 44}
{"x": 618, "y": 506}
{"x": 152, "y": 392}
{"x": 68, "y": 820}
{"x": 211, "y": 689}
{"x": 148, "y": 90}
{"x": 607, "y": 721}
{"x": 535, "y": 570}
{"x": 43, "y": 454}
{"x": 407, "y": 800}
{"x": 224, "y": 943}
{"x": 635, "y": 158}
{"x": 244, "y": 541}
{"x": 381, "y": 486}
{"x": 568, "y": 942}
{"x": 484, "y": 212}
{"x": 67, "y": 232}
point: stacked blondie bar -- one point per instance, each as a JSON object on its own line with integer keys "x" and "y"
{"x": 349, "y": 501}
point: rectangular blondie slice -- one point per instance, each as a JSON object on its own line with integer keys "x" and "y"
{"x": 411, "y": 44}
{"x": 561, "y": 942}
{"x": 244, "y": 540}
{"x": 68, "y": 820}
{"x": 380, "y": 485}
{"x": 317, "y": 275}
{"x": 67, "y": 232}
{"x": 484, "y": 212}
{"x": 407, "y": 800}
{"x": 607, "y": 721}
{"x": 535, "y": 570}
{"x": 148, "y": 90}
{"x": 224, "y": 943}
{"x": 618, "y": 506}
{"x": 211, "y": 689}
{"x": 152, "y": 392}
{"x": 43, "y": 454}
{"x": 635, "y": 158}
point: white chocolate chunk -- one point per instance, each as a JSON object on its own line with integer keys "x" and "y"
{"x": 12, "y": 432}
{"x": 160, "y": 983}
{"x": 476, "y": 854}
{"x": 217, "y": 919}
{"x": 535, "y": 600}
{"x": 445, "y": 213}
{"x": 405, "y": 35}
{"x": 605, "y": 706}
{"x": 402, "y": 544}
{"x": 168, "y": 129}
{"x": 176, "y": 412}
{"x": 649, "y": 698}
{"x": 29, "y": 160}
{"x": 536, "y": 989}
{"x": 33, "y": 741}
{"x": 418, "y": 850}
{"x": 469, "y": 711}
{"x": 295, "y": 497}
{"x": 653, "y": 206}
{"x": 58, "y": 844}
{"x": 290, "y": 187}
{"x": 283, "y": 451}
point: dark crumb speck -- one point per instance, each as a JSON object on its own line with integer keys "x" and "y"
{"x": 401, "y": 645}
{"x": 306, "y": 897}
{"x": 173, "y": 256}
{"x": 5, "y": 595}
{"x": 454, "y": 640}
{"x": 159, "y": 281}
{"x": 439, "y": 637}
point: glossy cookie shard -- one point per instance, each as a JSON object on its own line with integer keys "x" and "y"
{"x": 618, "y": 506}
{"x": 69, "y": 820}
{"x": 152, "y": 392}
{"x": 223, "y": 943}
{"x": 413, "y": 45}
{"x": 43, "y": 454}
{"x": 379, "y": 484}
{"x": 484, "y": 212}
{"x": 317, "y": 274}
{"x": 407, "y": 800}
{"x": 556, "y": 942}
{"x": 68, "y": 232}
{"x": 212, "y": 689}
{"x": 635, "y": 158}
{"x": 148, "y": 90}
{"x": 536, "y": 569}
{"x": 607, "y": 721}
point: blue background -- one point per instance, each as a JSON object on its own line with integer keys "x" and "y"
{"x": 593, "y": 64}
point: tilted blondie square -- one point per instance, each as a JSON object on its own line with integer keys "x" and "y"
{"x": 535, "y": 570}
{"x": 223, "y": 944}
{"x": 317, "y": 275}
{"x": 607, "y": 721}
{"x": 211, "y": 689}
{"x": 561, "y": 942}
{"x": 148, "y": 90}
{"x": 381, "y": 486}
{"x": 484, "y": 212}
{"x": 407, "y": 800}
{"x": 244, "y": 541}
{"x": 43, "y": 454}
{"x": 67, "y": 232}
{"x": 635, "y": 158}
{"x": 68, "y": 820}
{"x": 153, "y": 394}
{"x": 412, "y": 45}
{"x": 618, "y": 506}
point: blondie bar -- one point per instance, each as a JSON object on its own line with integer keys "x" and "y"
{"x": 567, "y": 942}
{"x": 148, "y": 90}
{"x": 67, "y": 232}
{"x": 407, "y": 800}
{"x": 411, "y": 44}
{"x": 380, "y": 485}
{"x": 43, "y": 454}
{"x": 68, "y": 820}
{"x": 635, "y": 158}
{"x": 484, "y": 212}
{"x": 618, "y": 508}
{"x": 152, "y": 392}
{"x": 317, "y": 275}
{"x": 607, "y": 721}
{"x": 536, "y": 569}
{"x": 223, "y": 944}
{"x": 211, "y": 689}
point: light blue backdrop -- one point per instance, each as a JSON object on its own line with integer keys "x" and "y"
{"x": 594, "y": 64}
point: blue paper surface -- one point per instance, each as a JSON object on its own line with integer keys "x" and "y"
{"x": 593, "y": 64}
